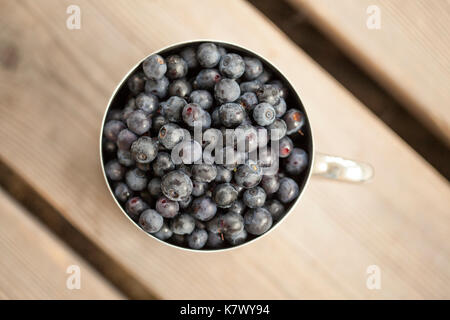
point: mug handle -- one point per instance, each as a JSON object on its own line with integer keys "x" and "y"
{"x": 341, "y": 169}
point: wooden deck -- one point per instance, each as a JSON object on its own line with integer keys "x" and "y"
{"x": 54, "y": 87}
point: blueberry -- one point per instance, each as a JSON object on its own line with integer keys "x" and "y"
{"x": 266, "y": 158}
{"x": 236, "y": 238}
{"x": 144, "y": 150}
{"x": 189, "y": 55}
{"x": 197, "y": 239}
{"x": 283, "y": 89}
{"x": 154, "y": 187}
{"x": 125, "y": 158}
{"x": 275, "y": 208}
{"x": 204, "y": 172}
{"x": 231, "y": 114}
{"x": 288, "y": 190}
{"x": 248, "y": 175}
{"x": 176, "y": 185}
{"x": 180, "y": 88}
{"x": 207, "y": 79}
{"x": 232, "y": 65}
{"x": 254, "y": 197}
{"x": 202, "y": 98}
{"x": 208, "y": 55}
{"x": 164, "y": 233}
{"x": 263, "y": 136}
{"x": 151, "y": 221}
{"x": 136, "y": 179}
{"x": 176, "y": 67}
{"x": 154, "y": 67}
{"x": 167, "y": 208}
{"x": 178, "y": 239}
{"x": 280, "y": 108}
{"x": 264, "y": 76}
{"x": 215, "y": 118}
{"x": 224, "y": 195}
{"x": 199, "y": 188}
{"x": 170, "y": 135}
{"x": 222, "y": 51}
{"x": 277, "y": 129}
{"x": 157, "y": 87}
{"x": 157, "y": 122}
{"x": 248, "y": 101}
{"x": 223, "y": 175}
{"x": 136, "y": 82}
{"x": 125, "y": 139}
{"x": 172, "y": 108}
{"x": 185, "y": 169}
{"x": 138, "y": 122}
{"x": 185, "y": 203}
{"x": 250, "y": 86}
{"x": 114, "y": 170}
{"x": 162, "y": 164}
{"x": 112, "y": 129}
{"x": 231, "y": 223}
{"x": 270, "y": 183}
{"x": 143, "y": 166}
{"x": 147, "y": 102}
{"x": 294, "y": 120}
{"x": 128, "y": 109}
{"x": 247, "y": 138}
{"x": 203, "y": 208}
{"x": 257, "y": 221}
{"x": 215, "y": 240}
{"x": 145, "y": 195}
{"x": 114, "y": 114}
{"x": 108, "y": 146}
{"x": 230, "y": 158}
{"x": 253, "y": 68}
{"x": 268, "y": 93}
{"x": 226, "y": 90}
{"x": 238, "y": 206}
{"x": 135, "y": 206}
{"x": 122, "y": 192}
{"x": 182, "y": 224}
{"x": 264, "y": 114}
{"x": 285, "y": 147}
{"x": 296, "y": 162}
{"x": 187, "y": 151}
{"x": 193, "y": 114}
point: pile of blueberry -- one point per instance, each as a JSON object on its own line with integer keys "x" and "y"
{"x": 203, "y": 205}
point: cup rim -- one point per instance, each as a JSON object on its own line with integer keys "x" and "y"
{"x": 226, "y": 44}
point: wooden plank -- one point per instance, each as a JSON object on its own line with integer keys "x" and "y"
{"x": 34, "y": 263}
{"x": 408, "y": 55}
{"x": 53, "y": 99}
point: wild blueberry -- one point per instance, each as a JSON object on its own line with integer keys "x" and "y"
{"x": 197, "y": 239}
{"x": 136, "y": 179}
{"x": 207, "y": 79}
{"x": 125, "y": 139}
{"x": 294, "y": 120}
{"x": 270, "y": 183}
{"x": 172, "y": 108}
{"x": 199, "y": 188}
{"x": 182, "y": 224}
{"x": 268, "y": 93}
{"x": 164, "y": 233}
{"x": 257, "y": 221}
{"x": 224, "y": 195}
{"x": 275, "y": 208}
{"x": 185, "y": 203}
{"x": 154, "y": 67}
{"x": 277, "y": 129}
{"x": 114, "y": 170}
{"x": 232, "y": 65}
{"x": 112, "y": 129}
{"x": 215, "y": 240}
{"x": 231, "y": 114}
{"x": 248, "y": 101}
{"x": 296, "y": 162}
{"x": 202, "y": 98}
{"x": 167, "y": 208}
{"x": 208, "y": 55}
{"x": 193, "y": 114}
{"x": 170, "y": 135}
{"x": 204, "y": 172}
{"x": 280, "y": 108}
{"x": 162, "y": 164}
{"x": 253, "y": 68}
{"x": 226, "y": 90}
{"x": 157, "y": 87}
{"x": 136, "y": 82}
{"x": 180, "y": 88}
{"x": 122, "y": 192}
{"x": 176, "y": 185}
{"x": 250, "y": 86}
{"x": 236, "y": 238}
{"x": 176, "y": 67}
{"x": 144, "y": 150}
{"x": 203, "y": 208}
{"x": 189, "y": 55}
{"x": 134, "y": 207}
{"x": 288, "y": 190}
{"x": 285, "y": 145}
{"x": 147, "y": 102}
{"x": 154, "y": 187}
{"x": 151, "y": 221}
{"x": 254, "y": 197}
{"x": 138, "y": 122}
{"x": 125, "y": 158}
{"x": 223, "y": 175}
{"x": 248, "y": 175}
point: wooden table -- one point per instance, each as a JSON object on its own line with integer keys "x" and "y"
{"x": 54, "y": 86}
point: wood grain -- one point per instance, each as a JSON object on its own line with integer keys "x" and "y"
{"x": 408, "y": 55}
{"x": 52, "y": 102}
{"x": 34, "y": 263}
